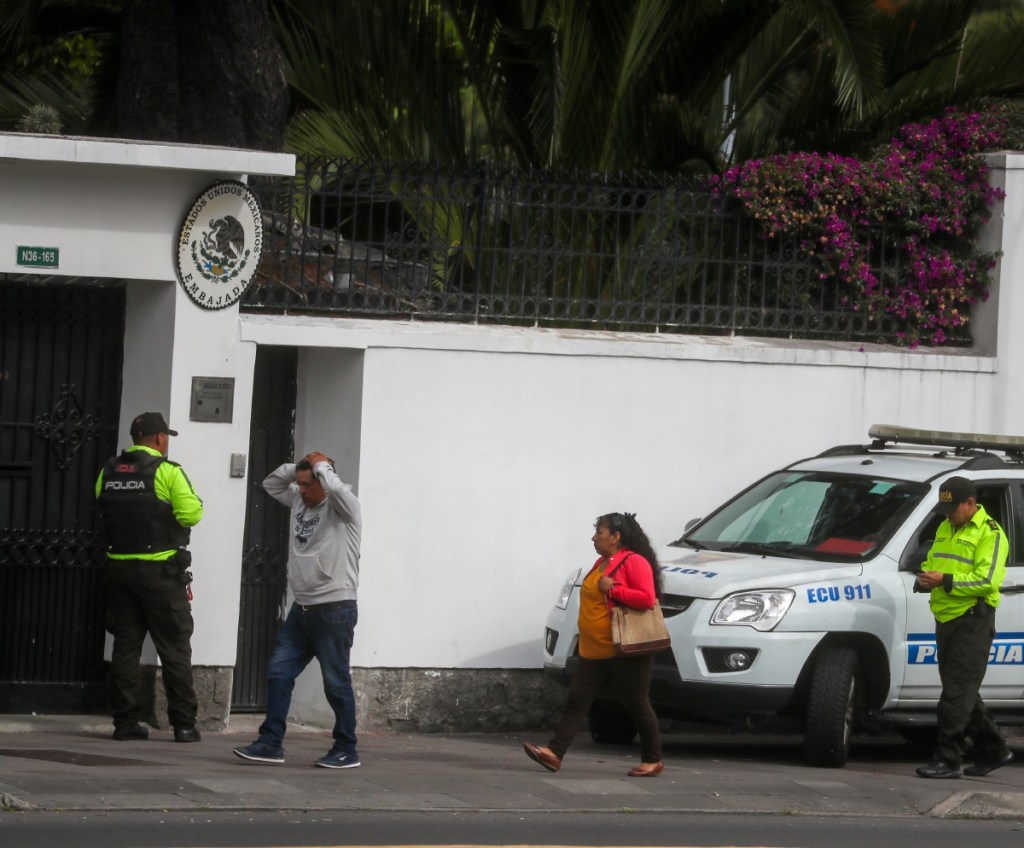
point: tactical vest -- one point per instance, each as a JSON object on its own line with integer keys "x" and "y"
{"x": 135, "y": 520}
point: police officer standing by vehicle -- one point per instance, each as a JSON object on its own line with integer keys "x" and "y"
{"x": 964, "y": 570}
{"x": 148, "y": 506}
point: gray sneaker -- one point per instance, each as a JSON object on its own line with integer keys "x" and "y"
{"x": 339, "y": 760}
{"x": 261, "y": 752}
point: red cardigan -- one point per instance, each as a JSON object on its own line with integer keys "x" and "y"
{"x": 634, "y": 580}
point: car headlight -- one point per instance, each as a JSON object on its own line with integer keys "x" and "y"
{"x": 760, "y": 610}
{"x": 566, "y": 591}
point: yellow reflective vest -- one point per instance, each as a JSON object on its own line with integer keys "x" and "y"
{"x": 973, "y": 558}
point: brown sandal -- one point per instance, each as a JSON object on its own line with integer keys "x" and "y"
{"x": 545, "y": 758}
{"x": 654, "y": 771}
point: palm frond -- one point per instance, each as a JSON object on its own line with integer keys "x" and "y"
{"x": 845, "y": 29}
{"x": 388, "y": 66}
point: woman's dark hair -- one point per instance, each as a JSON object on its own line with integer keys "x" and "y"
{"x": 634, "y": 538}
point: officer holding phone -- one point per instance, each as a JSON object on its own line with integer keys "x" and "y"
{"x": 962, "y": 574}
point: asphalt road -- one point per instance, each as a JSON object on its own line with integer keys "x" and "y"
{"x": 355, "y": 828}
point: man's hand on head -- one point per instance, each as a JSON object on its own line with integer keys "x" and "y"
{"x": 315, "y": 456}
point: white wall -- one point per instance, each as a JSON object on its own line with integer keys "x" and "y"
{"x": 329, "y": 393}
{"x": 487, "y": 453}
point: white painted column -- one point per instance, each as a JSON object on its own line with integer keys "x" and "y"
{"x": 1000, "y": 322}
{"x": 160, "y": 318}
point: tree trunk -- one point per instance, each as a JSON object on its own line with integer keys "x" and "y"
{"x": 201, "y": 72}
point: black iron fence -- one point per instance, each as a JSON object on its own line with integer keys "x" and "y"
{"x": 615, "y": 252}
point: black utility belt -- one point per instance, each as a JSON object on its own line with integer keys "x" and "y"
{"x": 330, "y": 606}
{"x": 979, "y": 610}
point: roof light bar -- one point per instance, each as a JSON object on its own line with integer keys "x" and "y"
{"x": 939, "y": 438}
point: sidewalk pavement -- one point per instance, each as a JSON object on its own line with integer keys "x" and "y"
{"x": 70, "y": 763}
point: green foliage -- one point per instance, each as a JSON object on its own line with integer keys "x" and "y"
{"x": 73, "y": 58}
{"x": 680, "y": 85}
{"x": 57, "y": 54}
{"x": 662, "y": 85}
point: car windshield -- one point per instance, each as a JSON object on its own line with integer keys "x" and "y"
{"x": 812, "y": 515}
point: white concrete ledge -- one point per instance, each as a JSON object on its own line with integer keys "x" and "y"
{"x": 144, "y": 154}
{"x": 360, "y": 334}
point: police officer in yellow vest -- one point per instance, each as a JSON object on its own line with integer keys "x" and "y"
{"x": 964, "y": 570}
{"x": 148, "y": 505}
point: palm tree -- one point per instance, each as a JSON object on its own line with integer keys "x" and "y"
{"x": 662, "y": 84}
{"x": 676, "y": 85}
{"x": 555, "y": 82}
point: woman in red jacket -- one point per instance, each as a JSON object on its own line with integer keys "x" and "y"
{"x": 626, "y": 572}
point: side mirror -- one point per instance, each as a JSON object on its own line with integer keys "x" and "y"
{"x": 691, "y": 523}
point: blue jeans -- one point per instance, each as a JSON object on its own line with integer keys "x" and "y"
{"x": 327, "y": 635}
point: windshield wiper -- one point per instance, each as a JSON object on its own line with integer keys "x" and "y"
{"x": 768, "y": 549}
{"x": 697, "y": 546}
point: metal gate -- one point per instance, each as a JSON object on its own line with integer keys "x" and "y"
{"x": 60, "y": 391}
{"x": 265, "y": 548}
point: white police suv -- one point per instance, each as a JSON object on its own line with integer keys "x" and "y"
{"x": 792, "y": 604}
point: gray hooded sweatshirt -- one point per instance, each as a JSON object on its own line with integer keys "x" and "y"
{"x": 323, "y": 549}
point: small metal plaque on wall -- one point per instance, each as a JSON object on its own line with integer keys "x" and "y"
{"x": 213, "y": 399}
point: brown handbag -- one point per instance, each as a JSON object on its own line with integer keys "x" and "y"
{"x": 636, "y": 631}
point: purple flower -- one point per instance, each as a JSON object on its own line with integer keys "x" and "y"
{"x": 923, "y": 198}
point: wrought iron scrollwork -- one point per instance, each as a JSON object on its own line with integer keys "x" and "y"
{"x": 66, "y": 427}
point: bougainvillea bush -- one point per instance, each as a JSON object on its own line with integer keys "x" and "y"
{"x": 927, "y": 189}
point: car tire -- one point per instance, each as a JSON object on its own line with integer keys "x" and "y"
{"x": 831, "y": 708}
{"x": 610, "y": 724}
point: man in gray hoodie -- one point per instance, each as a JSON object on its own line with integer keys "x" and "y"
{"x": 323, "y": 574}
